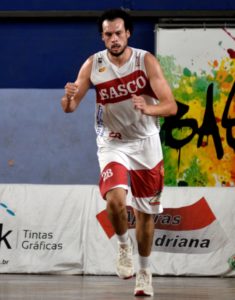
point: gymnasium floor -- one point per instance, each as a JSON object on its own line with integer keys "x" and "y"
{"x": 67, "y": 287}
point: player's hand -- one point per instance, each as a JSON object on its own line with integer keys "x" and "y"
{"x": 65, "y": 103}
{"x": 70, "y": 90}
{"x": 140, "y": 103}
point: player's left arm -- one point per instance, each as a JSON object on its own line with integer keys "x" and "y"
{"x": 167, "y": 105}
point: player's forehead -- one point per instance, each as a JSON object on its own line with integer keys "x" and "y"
{"x": 114, "y": 25}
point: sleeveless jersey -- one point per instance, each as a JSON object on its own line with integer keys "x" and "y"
{"x": 116, "y": 117}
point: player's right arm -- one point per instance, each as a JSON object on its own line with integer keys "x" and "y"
{"x": 75, "y": 91}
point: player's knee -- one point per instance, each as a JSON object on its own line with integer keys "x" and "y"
{"x": 116, "y": 202}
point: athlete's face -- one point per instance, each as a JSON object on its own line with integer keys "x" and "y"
{"x": 115, "y": 36}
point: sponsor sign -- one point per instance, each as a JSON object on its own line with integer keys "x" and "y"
{"x": 189, "y": 229}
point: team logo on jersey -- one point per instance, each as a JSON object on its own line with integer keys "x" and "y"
{"x": 156, "y": 199}
{"x": 102, "y": 69}
{"x": 120, "y": 89}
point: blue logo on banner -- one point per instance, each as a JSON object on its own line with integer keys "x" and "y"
{"x": 9, "y": 211}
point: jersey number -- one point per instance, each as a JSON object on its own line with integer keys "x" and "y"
{"x": 107, "y": 174}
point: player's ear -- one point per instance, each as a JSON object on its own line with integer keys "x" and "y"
{"x": 128, "y": 33}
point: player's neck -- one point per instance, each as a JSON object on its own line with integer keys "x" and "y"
{"x": 122, "y": 59}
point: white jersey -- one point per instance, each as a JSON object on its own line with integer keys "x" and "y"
{"x": 116, "y": 117}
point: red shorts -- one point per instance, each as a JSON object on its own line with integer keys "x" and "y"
{"x": 138, "y": 162}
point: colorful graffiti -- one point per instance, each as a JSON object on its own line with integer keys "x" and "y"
{"x": 199, "y": 142}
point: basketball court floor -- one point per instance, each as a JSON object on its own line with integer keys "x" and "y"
{"x": 67, "y": 287}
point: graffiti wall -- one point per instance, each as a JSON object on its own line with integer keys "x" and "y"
{"x": 199, "y": 142}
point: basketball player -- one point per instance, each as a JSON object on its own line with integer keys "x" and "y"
{"x": 131, "y": 94}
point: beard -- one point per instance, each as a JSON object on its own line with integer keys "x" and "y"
{"x": 116, "y": 54}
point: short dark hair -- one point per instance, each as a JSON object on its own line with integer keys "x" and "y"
{"x": 112, "y": 14}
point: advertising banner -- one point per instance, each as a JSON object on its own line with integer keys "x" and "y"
{"x": 65, "y": 230}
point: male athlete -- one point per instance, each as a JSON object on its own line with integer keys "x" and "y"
{"x": 131, "y": 94}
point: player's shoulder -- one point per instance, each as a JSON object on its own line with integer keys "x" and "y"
{"x": 139, "y": 50}
{"x": 144, "y": 54}
{"x": 150, "y": 58}
{"x": 98, "y": 54}
{"x": 87, "y": 65}
{"x": 147, "y": 56}
{"x": 89, "y": 61}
